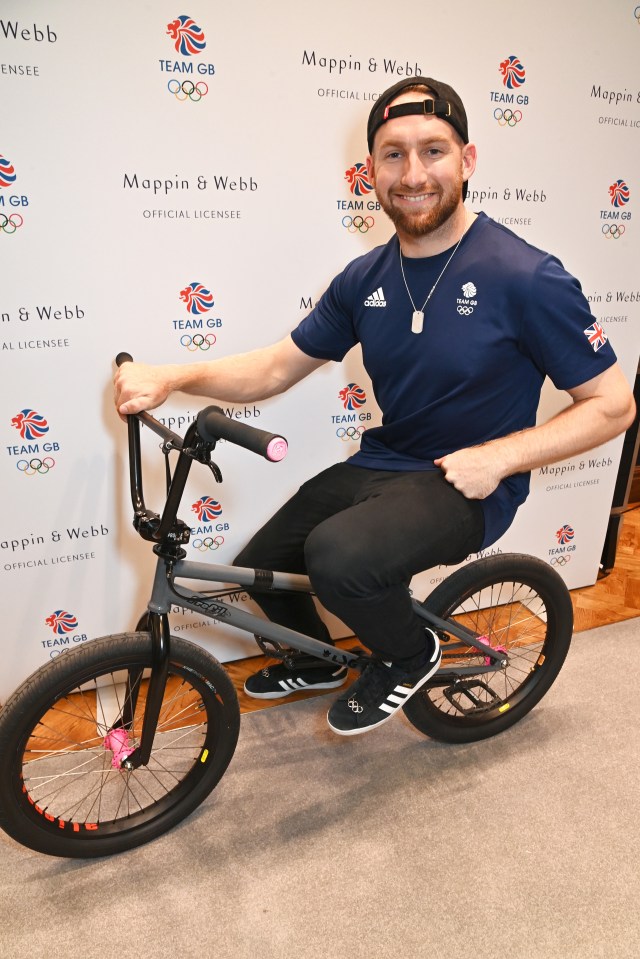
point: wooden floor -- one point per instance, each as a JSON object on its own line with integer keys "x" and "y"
{"x": 615, "y": 597}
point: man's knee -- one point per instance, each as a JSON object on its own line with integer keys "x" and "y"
{"x": 335, "y": 564}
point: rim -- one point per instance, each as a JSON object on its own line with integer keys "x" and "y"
{"x": 71, "y": 768}
{"x": 513, "y": 616}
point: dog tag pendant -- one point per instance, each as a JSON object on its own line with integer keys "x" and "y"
{"x": 416, "y": 321}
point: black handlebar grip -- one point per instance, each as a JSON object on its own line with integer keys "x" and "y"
{"x": 213, "y": 424}
{"x": 123, "y": 358}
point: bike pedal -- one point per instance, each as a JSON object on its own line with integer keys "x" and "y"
{"x": 469, "y": 688}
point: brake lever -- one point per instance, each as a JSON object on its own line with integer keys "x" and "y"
{"x": 215, "y": 469}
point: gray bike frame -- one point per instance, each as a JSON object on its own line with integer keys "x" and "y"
{"x": 166, "y": 593}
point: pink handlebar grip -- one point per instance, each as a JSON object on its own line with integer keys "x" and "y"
{"x": 277, "y": 449}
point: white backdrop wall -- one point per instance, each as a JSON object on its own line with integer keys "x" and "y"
{"x": 133, "y": 171}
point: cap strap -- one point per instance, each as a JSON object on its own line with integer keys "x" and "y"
{"x": 439, "y": 108}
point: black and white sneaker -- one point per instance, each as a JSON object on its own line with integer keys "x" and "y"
{"x": 380, "y": 692}
{"x": 274, "y": 682}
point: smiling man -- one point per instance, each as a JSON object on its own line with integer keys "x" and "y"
{"x": 420, "y": 185}
{"x": 466, "y": 322}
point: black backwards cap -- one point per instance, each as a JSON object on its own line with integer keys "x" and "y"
{"x": 447, "y": 105}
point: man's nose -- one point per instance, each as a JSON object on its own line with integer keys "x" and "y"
{"x": 414, "y": 173}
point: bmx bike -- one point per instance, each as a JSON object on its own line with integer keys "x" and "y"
{"x": 112, "y": 744}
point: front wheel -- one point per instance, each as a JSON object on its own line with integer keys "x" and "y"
{"x": 517, "y": 604}
{"x": 65, "y": 734}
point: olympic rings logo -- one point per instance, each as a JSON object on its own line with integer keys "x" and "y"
{"x": 507, "y": 117}
{"x": 188, "y": 90}
{"x": 209, "y": 542}
{"x": 358, "y": 224}
{"x": 197, "y": 342}
{"x": 31, "y": 467}
{"x": 465, "y": 310}
{"x": 9, "y": 224}
{"x": 355, "y": 706}
{"x": 613, "y": 231}
{"x": 636, "y": 14}
{"x": 350, "y": 433}
{"x": 560, "y": 560}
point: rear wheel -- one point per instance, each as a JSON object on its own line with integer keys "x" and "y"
{"x": 67, "y": 731}
{"x": 520, "y": 606}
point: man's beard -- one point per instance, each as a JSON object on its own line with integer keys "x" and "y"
{"x": 421, "y": 224}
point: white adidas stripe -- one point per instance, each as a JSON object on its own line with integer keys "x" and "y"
{"x": 396, "y": 699}
{"x": 289, "y": 684}
{"x": 399, "y": 700}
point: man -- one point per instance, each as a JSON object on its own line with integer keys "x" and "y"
{"x": 472, "y": 320}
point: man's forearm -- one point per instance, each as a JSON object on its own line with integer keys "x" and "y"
{"x": 593, "y": 419}
{"x": 244, "y": 378}
{"x": 574, "y": 430}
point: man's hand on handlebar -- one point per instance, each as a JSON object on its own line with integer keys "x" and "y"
{"x": 139, "y": 387}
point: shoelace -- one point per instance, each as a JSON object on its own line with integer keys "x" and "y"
{"x": 373, "y": 682}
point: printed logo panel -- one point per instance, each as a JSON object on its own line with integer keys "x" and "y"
{"x": 29, "y": 459}
{"x": 188, "y": 37}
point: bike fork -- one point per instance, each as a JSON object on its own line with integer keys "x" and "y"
{"x": 158, "y": 625}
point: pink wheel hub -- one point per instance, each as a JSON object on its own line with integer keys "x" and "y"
{"x": 117, "y": 740}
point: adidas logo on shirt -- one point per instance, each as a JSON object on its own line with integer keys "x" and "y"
{"x": 376, "y": 298}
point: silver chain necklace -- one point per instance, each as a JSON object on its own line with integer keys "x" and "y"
{"x": 417, "y": 319}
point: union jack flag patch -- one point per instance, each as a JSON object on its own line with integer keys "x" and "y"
{"x": 596, "y": 336}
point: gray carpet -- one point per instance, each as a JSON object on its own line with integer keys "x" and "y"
{"x": 526, "y": 845}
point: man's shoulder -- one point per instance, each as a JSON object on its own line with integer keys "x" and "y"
{"x": 498, "y": 245}
{"x": 374, "y": 259}
{"x": 503, "y": 237}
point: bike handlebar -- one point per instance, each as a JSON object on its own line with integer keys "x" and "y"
{"x": 213, "y": 424}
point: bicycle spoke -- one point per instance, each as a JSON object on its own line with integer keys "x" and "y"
{"x": 87, "y": 787}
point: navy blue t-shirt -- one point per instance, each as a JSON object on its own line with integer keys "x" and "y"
{"x": 502, "y": 317}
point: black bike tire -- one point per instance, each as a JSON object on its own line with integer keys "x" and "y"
{"x": 31, "y": 701}
{"x": 440, "y": 723}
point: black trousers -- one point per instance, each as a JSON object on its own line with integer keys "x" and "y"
{"x": 360, "y": 535}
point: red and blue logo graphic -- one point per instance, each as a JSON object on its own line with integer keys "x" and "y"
{"x": 188, "y": 36}
{"x": 62, "y": 622}
{"x": 565, "y": 535}
{"x": 7, "y": 172}
{"x": 596, "y": 336}
{"x": 359, "y": 182}
{"x": 513, "y": 73}
{"x": 352, "y": 396}
{"x": 197, "y": 298}
{"x": 207, "y": 509}
{"x": 31, "y": 425}
{"x": 619, "y": 193}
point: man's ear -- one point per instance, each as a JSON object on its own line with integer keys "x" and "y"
{"x": 469, "y": 160}
{"x": 370, "y": 172}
